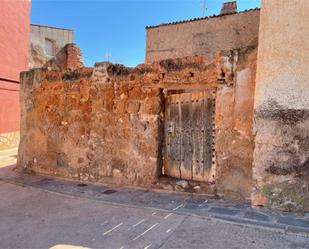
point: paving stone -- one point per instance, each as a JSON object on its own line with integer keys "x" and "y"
{"x": 157, "y": 200}
{"x": 292, "y": 215}
{"x": 269, "y": 212}
{"x": 257, "y": 216}
{"x": 193, "y": 206}
{"x": 224, "y": 211}
{"x": 260, "y": 223}
{"x": 298, "y": 230}
{"x": 242, "y": 206}
{"x": 225, "y": 203}
{"x": 196, "y": 201}
{"x": 294, "y": 222}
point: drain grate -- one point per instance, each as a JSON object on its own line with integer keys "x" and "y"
{"x": 82, "y": 185}
{"x": 109, "y": 191}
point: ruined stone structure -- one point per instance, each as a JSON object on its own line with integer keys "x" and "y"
{"x": 204, "y": 119}
{"x": 202, "y": 36}
{"x": 106, "y": 124}
{"x": 46, "y": 42}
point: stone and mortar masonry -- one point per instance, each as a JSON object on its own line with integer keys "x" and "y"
{"x": 234, "y": 120}
{"x": 68, "y": 136}
{"x": 105, "y": 124}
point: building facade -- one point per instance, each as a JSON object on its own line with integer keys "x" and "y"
{"x": 281, "y": 105}
{"x": 45, "y": 42}
{"x": 202, "y": 36}
{"x": 14, "y": 32}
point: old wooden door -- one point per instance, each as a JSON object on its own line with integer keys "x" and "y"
{"x": 189, "y": 130}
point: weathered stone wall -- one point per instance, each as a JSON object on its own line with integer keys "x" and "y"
{"x": 87, "y": 124}
{"x": 105, "y": 123}
{"x": 281, "y": 162}
{"x": 125, "y": 127}
{"x": 234, "y": 120}
{"x": 38, "y": 35}
{"x": 205, "y": 36}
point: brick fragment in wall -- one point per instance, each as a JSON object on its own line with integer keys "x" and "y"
{"x": 69, "y": 57}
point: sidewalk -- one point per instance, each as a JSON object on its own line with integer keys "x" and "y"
{"x": 193, "y": 205}
{"x": 8, "y": 157}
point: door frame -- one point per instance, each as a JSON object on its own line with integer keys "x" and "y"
{"x": 174, "y": 91}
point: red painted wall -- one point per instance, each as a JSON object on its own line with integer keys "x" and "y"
{"x": 14, "y": 42}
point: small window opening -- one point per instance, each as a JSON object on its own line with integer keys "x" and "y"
{"x": 50, "y": 47}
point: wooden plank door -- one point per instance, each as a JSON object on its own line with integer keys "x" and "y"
{"x": 189, "y": 136}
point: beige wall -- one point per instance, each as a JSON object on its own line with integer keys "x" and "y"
{"x": 38, "y": 34}
{"x": 281, "y": 161}
{"x": 202, "y": 37}
{"x": 284, "y": 54}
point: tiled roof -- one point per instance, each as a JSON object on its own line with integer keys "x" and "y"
{"x": 50, "y": 27}
{"x": 201, "y": 18}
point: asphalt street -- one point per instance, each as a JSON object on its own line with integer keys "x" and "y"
{"x": 36, "y": 218}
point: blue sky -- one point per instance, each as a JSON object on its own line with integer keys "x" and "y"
{"x": 117, "y": 27}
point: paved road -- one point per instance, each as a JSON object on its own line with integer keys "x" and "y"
{"x": 36, "y": 218}
{"x": 187, "y": 204}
